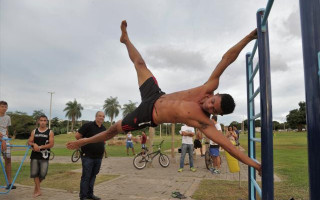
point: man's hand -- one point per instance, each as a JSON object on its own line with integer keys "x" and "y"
{"x": 3, "y": 146}
{"x": 36, "y": 148}
{"x": 260, "y": 170}
{"x": 75, "y": 144}
{"x": 254, "y": 34}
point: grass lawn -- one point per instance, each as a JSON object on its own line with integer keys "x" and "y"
{"x": 290, "y": 164}
{"x": 56, "y": 178}
{"x": 60, "y": 149}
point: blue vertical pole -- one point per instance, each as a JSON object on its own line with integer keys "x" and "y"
{"x": 250, "y": 126}
{"x": 310, "y": 27}
{"x": 265, "y": 110}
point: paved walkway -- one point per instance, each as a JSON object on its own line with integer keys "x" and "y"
{"x": 152, "y": 183}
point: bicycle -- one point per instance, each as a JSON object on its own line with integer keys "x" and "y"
{"x": 207, "y": 157}
{"x": 77, "y": 154}
{"x": 140, "y": 161}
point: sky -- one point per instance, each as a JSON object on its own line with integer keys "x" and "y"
{"x": 72, "y": 48}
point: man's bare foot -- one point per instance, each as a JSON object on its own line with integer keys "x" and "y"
{"x": 124, "y": 35}
{"x": 37, "y": 194}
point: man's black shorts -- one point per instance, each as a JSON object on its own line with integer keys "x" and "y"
{"x": 142, "y": 116}
{"x": 197, "y": 144}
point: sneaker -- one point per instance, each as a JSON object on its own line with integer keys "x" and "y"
{"x": 13, "y": 187}
{"x": 193, "y": 169}
{"x": 180, "y": 170}
{"x": 217, "y": 171}
{"x": 94, "y": 197}
{"x": 212, "y": 170}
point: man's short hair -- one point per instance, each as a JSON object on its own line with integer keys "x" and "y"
{"x": 227, "y": 104}
{"x": 42, "y": 116}
{"x": 3, "y": 103}
{"x": 99, "y": 112}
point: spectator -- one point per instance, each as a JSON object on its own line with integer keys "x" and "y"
{"x": 143, "y": 142}
{"x": 197, "y": 141}
{"x": 91, "y": 156}
{"x": 129, "y": 143}
{"x": 238, "y": 135}
{"x": 214, "y": 150}
{"x": 231, "y": 135}
{"x": 5, "y": 122}
{"x": 41, "y": 140}
{"x": 187, "y": 146}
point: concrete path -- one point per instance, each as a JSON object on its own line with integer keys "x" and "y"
{"x": 152, "y": 183}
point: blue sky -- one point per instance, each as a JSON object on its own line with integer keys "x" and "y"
{"x": 72, "y": 48}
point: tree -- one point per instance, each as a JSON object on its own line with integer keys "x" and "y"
{"x": 21, "y": 125}
{"x": 297, "y": 117}
{"x": 128, "y": 108}
{"x": 73, "y": 111}
{"x": 111, "y": 107}
{"x": 37, "y": 113}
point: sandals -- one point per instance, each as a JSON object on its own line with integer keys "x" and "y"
{"x": 178, "y": 195}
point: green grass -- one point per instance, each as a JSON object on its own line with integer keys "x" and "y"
{"x": 290, "y": 164}
{"x": 59, "y": 148}
{"x": 56, "y": 178}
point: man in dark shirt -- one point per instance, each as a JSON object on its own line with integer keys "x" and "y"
{"x": 91, "y": 156}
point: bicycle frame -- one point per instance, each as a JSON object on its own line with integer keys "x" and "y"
{"x": 4, "y": 171}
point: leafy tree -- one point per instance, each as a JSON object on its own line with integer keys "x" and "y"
{"x": 37, "y": 113}
{"x": 297, "y": 117}
{"x": 111, "y": 107}
{"x": 73, "y": 111}
{"x": 21, "y": 125}
{"x": 128, "y": 108}
{"x": 236, "y": 124}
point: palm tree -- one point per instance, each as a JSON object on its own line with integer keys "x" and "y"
{"x": 128, "y": 108}
{"x": 73, "y": 111}
{"x": 111, "y": 107}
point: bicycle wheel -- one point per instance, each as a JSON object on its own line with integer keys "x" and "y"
{"x": 164, "y": 160}
{"x": 75, "y": 155}
{"x": 140, "y": 161}
{"x": 208, "y": 160}
{"x": 51, "y": 157}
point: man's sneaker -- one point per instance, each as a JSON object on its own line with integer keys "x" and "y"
{"x": 212, "y": 170}
{"x": 193, "y": 169}
{"x": 180, "y": 170}
{"x": 94, "y": 197}
{"x": 13, "y": 187}
{"x": 216, "y": 171}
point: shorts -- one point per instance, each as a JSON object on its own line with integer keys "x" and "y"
{"x": 197, "y": 144}
{"x": 141, "y": 117}
{"x": 129, "y": 145}
{"x": 214, "y": 152}
{"x": 143, "y": 146}
{"x": 38, "y": 168}
{"x": 7, "y": 152}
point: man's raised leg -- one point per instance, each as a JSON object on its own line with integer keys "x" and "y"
{"x": 142, "y": 71}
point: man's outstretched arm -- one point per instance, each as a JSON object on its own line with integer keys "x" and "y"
{"x": 103, "y": 136}
{"x": 213, "y": 134}
{"x": 229, "y": 57}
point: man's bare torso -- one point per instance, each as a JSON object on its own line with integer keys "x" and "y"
{"x": 180, "y": 107}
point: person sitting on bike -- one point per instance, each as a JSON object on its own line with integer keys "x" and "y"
{"x": 143, "y": 142}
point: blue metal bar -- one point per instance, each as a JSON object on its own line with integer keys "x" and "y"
{"x": 254, "y": 72}
{"x": 310, "y": 28}
{"x": 255, "y": 139}
{"x": 251, "y": 130}
{"x": 266, "y": 15}
{"x": 256, "y": 186}
{"x": 255, "y": 94}
{"x": 319, "y": 62}
{"x": 253, "y": 52}
{"x": 266, "y": 111}
{"x": 255, "y": 117}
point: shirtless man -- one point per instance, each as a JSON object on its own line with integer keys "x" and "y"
{"x": 192, "y": 107}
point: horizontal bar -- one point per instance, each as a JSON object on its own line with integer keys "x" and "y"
{"x": 256, "y": 186}
{"x": 267, "y": 12}
{"x": 254, "y": 94}
{"x": 255, "y": 117}
{"x": 254, "y": 72}
{"x": 253, "y": 51}
{"x": 255, "y": 139}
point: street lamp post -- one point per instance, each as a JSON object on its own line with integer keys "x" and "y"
{"x": 51, "y": 93}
